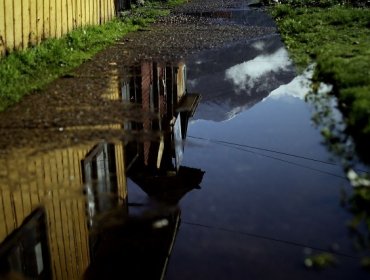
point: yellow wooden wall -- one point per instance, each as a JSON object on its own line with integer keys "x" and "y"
{"x": 27, "y": 22}
{"x": 53, "y": 180}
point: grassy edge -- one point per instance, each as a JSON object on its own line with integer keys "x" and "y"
{"x": 27, "y": 71}
{"x": 337, "y": 39}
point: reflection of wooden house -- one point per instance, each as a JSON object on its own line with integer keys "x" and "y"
{"x": 161, "y": 89}
{"x": 26, "y": 251}
{"x": 78, "y": 184}
{"x": 139, "y": 248}
{"x": 55, "y": 179}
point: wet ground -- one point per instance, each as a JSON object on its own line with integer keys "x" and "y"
{"x": 184, "y": 151}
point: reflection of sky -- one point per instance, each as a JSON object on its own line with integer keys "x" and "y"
{"x": 246, "y": 74}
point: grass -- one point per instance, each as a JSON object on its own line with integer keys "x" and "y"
{"x": 337, "y": 39}
{"x": 28, "y": 71}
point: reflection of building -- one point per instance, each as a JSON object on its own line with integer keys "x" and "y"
{"x": 54, "y": 179}
{"x": 160, "y": 89}
{"x": 139, "y": 248}
{"x": 143, "y": 243}
{"x": 56, "y": 205}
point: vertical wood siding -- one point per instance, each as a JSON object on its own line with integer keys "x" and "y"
{"x": 53, "y": 180}
{"x": 24, "y": 23}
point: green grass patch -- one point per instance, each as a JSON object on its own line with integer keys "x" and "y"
{"x": 27, "y": 71}
{"x": 337, "y": 39}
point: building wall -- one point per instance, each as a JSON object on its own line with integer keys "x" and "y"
{"x": 53, "y": 180}
{"x": 28, "y": 22}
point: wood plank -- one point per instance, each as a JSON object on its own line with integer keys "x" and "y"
{"x": 111, "y": 9}
{"x": 33, "y": 22}
{"x": 9, "y": 25}
{"x": 3, "y": 228}
{"x": 58, "y": 18}
{"x": 84, "y": 232}
{"x": 92, "y": 11}
{"x": 47, "y": 30}
{"x": 81, "y": 155}
{"x": 76, "y": 167}
{"x": 26, "y": 198}
{"x": 25, "y": 23}
{"x": 106, "y": 16}
{"x": 98, "y": 3}
{"x": 74, "y": 19}
{"x": 17, "y": 18}
{"x": 53, "y": 170}
{"x": 54, "y": 249}
{"x": 98, "y": 11}
{"x": 78, "y": 240}
{"x": 59, "y": 169}
{"x": 39, "y": 20}
{"x": 66, "y": 171}
{"x": 71, "y": 238}
{"x": 70, "y": 9}
{"x": 103, "y": 14}
{"x": 52, "y": 18}
{"x": 71, "y": 168}
{"x": 77, "y": 13}
{"x": 60, "y": 233}
{"x": 2, "y": 28}
{"x": 81, "y": 12}
{"x": 86, "y": 13}
{"x": 33, "y": 184}
{"x": 16, "y": 197}
{"x": 63, "y": 17}
{"x": 47, "y": 180}
{"x": 121, "y": 173}
{"x": 8, "y": 211}
{"x": 89, "y": 12}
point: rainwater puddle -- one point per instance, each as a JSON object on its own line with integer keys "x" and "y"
{"x": 270, "y": 196}
{"x": 203, "y": 167}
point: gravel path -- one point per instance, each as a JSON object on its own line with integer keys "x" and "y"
{"x": 54, "y": 117}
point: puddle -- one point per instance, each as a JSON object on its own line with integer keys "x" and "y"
{"x": 203, "y": 164}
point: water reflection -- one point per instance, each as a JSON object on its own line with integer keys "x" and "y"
{"x": 63, "y": 182}
{"x": 247, "y": 74}
{"x": 240, "y": 77}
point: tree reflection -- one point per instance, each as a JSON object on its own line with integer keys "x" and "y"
{"x": 330, "y": 121}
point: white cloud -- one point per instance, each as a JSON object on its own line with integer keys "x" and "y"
{"x": 299, "y": 86}
{"x": 246, "y": 74}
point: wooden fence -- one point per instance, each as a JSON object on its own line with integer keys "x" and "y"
{"x": 28, "y": 22}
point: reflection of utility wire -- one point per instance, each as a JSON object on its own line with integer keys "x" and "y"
{"x": 287, "y": 161}
{"x": 237, "y": 146}
{"x": 267, "y": 238}
{"x": 261, "y": 149}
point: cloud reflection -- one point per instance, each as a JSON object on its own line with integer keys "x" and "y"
{"x": 299, "y": 87}
{"x": 247, "y": 74}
